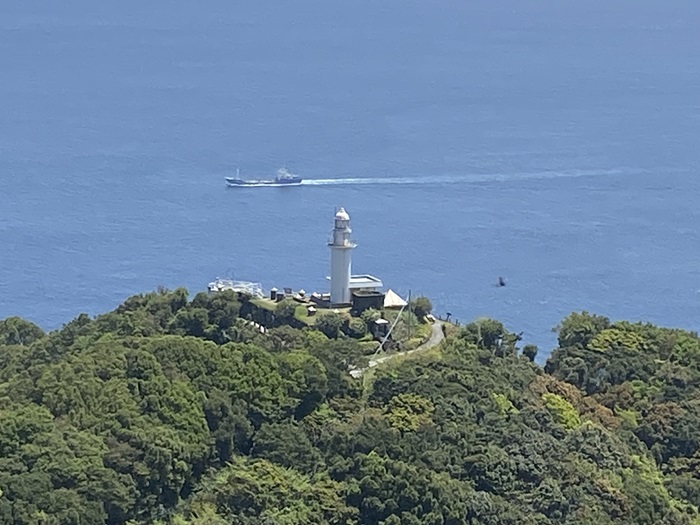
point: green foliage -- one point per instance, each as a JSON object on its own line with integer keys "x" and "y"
{"x": 356, "y": 329}
{"x": 390, "y": 491}
{"x": 330, "y": 324}
{"x": 579, "y": 328}
{"x": 421, "y": 306}
{"x": 530, "y": 351}
{"x": 612, "y": 339}
{"x": 192, "y": 322}
{"x": 249, "y": 492}
{"x": 306, "y": 381}
{"x": 288, "y": 445}
{"x": 285, "y": 309}
{"x": 284, "y": 338}
{"x": 408, "y": 412}
{"x": 17, "y": 331}
{"x": 406, "y": 326}
{"x": 629, "y": 417}
{"x": 505, "y": 406}
{"x": 222, "y": 308}
{"x": 563, "y": 411}
{"x": 169, "y": 411}
{"x": 489, "y": 334}
{"x": 369, "y": 316}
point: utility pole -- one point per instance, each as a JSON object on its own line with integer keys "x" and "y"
{"x": 409, "y": 314}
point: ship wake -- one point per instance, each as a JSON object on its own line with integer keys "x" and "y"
{"x": 466, "y": 178}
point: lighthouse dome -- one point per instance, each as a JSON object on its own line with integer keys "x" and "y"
{"x": 342, "y": 215}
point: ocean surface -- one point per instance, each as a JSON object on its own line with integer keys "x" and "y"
{"x": 556, "y": 144}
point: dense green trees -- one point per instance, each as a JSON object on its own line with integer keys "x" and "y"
{"x": 17, "y": 331}
{"x": 170, "y": 411}
{"x": 252, "y": 492}
{"x": 331, "y": 324}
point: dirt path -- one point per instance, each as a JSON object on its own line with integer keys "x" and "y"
{"x": 436, "y": 337}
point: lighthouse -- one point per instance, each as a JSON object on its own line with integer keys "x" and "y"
{"x": 341, "y": 258}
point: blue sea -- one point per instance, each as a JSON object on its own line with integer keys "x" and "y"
{"x": 556, "y": 144}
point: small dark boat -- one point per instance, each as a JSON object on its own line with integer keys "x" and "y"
{"x": 501, "y": 281}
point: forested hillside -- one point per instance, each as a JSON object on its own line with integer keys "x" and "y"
{"x": 176, "y": 411}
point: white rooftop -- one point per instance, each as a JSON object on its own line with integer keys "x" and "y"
{"x": 393, "y": 300}
{"x": 342, "y": 215}
{"x": 363, "y": 281}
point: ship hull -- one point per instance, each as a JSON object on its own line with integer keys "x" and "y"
{"x": 235, "y": 183}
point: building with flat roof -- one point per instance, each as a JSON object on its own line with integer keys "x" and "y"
{"x": 364, "y": 282}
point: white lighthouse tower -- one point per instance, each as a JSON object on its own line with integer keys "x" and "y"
{"x": 341, "y": 258}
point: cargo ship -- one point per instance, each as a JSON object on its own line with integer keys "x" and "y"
{"x": 283, "y": 178}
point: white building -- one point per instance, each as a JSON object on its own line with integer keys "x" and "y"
{"x": 343, "y": 283}
{"x": 245, "y": 287}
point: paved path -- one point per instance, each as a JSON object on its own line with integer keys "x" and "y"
{"x": 436, "y": 337}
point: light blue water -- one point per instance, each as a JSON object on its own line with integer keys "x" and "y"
{"x": 553, "y": 143}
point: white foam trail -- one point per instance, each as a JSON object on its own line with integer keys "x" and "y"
{"x": 467, "y": 178}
